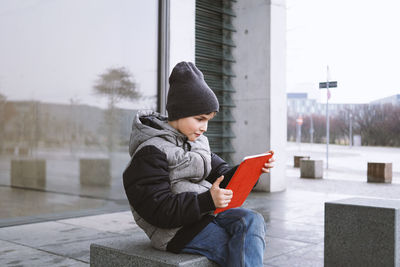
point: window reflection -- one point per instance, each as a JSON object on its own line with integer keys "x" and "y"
{"x": 72, "y": 75}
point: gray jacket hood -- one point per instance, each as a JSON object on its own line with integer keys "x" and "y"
{"x": 148, "y": 124}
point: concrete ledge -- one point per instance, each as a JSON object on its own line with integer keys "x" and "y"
{"x": 311, "y": 168}
{"x": 379, "y": 172}
{"x": 362, "y": 232}
{"x": 136, "y": 251}
{"x": 28, "y": 173}
{"x": 94, "y": 171}
{"x": 296, "y": 160}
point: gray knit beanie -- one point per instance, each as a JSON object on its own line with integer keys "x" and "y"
{"x": 188, "y": 94}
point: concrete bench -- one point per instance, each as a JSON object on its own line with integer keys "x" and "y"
{"x": 94, "y": 171}
{"x": 136, "y": 251}
{"x": 311, "y": 168}
{"x": 296, "y": 160}
{"x": 362, "y": 232}
{"x": 9, "y": 150}
{"x": 23, "y": 151}
{"x": 30, "y": 173}
{"x": 379, "y": 172}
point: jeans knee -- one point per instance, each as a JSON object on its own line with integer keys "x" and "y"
{"x": 256, "y": 222}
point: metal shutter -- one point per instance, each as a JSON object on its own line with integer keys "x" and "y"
{"x": 214, "y": 58}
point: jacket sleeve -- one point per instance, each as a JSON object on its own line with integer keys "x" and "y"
{"x": 147, "y": 186}
{"x": 220, "y": 167}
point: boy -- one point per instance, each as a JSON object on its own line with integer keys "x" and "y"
{"x": 174, "y": 183}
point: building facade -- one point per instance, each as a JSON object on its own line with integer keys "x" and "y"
{"x": 53, "y": 68}
{"x": 298, "y": 104}
{"x": 394, "y": 100}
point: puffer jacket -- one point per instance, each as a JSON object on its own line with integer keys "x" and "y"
{"x": 167, "y": 181}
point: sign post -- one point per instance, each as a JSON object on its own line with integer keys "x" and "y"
{"x": 299, "y": 122}
{"x": 351, "y": 130}
{"x": 328, "y": 84}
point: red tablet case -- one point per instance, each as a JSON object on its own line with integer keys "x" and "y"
{"x": 244, "y": 179}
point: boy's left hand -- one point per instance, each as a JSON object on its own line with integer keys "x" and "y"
{"x": 268, "y": 165}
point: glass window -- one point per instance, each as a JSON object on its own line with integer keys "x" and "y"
{"x": 72, "y": 75}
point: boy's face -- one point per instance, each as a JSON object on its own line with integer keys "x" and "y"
{"x": 193, "y": 127}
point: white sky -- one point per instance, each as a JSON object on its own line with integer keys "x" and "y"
{"x": 358, "y": 39}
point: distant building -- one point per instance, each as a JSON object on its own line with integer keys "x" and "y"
{"x": 394, "y": 100}
{"x": 298, "y": 104}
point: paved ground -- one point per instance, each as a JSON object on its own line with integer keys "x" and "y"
{"x": 347, "y": 163}
{"x": 295, "y": 223}
{"x": 295, "y": 217}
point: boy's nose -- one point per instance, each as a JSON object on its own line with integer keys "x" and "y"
{"x": 203, "y": 128}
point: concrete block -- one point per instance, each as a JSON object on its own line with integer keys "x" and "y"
{"x": 362, "y": 232}
{"x": 28, "y": 173}
{"x": 137, "y": 251}
{"x": 311, "y": 168}
{"x": 379, "y": 172}
{"x": 94, "y": 171}
{"x": 23, "y": 151}
{"x": 296, "y": 160}
{"x": 9, "y": 150}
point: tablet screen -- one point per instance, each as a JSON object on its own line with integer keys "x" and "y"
{"x": 244, "y": 179}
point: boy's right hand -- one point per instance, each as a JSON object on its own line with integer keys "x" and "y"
{"x": 220, "y": 196}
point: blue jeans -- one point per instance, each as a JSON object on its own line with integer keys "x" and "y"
{"x": 234, "y": 238}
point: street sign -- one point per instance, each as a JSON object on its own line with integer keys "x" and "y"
{"x": 324, "y": 84}
{"x": 299, "y": 121}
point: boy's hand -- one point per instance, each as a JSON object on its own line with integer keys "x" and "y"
{"x": 220, "y": 196}
{"x": 269, "y": 164}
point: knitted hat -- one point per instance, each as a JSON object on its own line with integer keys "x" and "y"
{"x": 188, "y": 94}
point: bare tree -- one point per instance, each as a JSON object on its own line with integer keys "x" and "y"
{"x": 378, "y": 125}
{"x": 116, "y": 84}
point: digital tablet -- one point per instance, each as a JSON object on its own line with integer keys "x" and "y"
{"x": 244, "y": 179}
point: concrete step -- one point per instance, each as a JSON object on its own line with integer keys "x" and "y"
{"x": 136, "y": 250}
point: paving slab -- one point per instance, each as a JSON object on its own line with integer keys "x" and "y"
{"x": 17, "y": 255}
{"x": 316, "y": 218}
{"x": 78, "y": 250}
{"x": 288, "y": 230}
{"x": 344, "y": 187}
{"x": 278, "y": 246}
{"x": 310, "y": 256}
{"x": 121, "y": 222}
{"x": 50, "y": 233}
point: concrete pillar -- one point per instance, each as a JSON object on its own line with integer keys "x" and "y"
{"x": 260, "y": 99}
